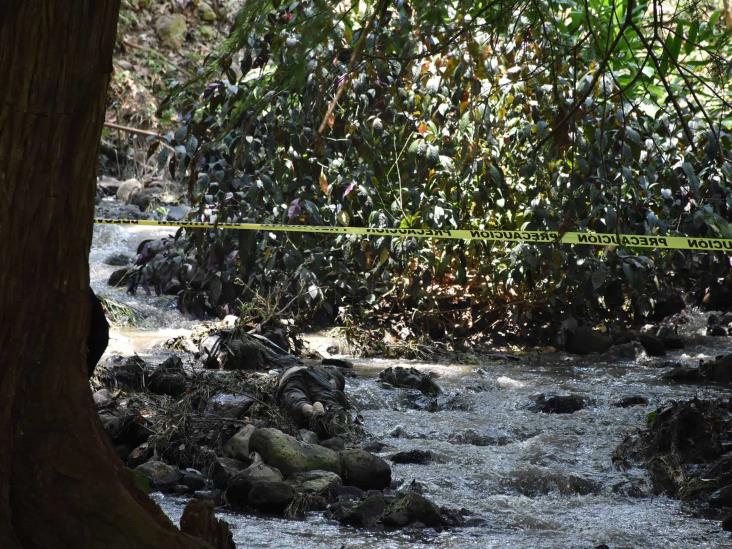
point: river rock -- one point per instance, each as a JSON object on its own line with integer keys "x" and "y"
{"x": 634, "y": 400}
{"x": 206, "y": 12}
{"x": 558, "y": 404}
{"x": 722, "y": 497}
{"x": 124, "y": 426}
{"x": 337, "y": 362}
{"x": 139, "y": 455}
{"x": 652, "y": 345}
{"x": 271, "y": 496}
{"x": 349, "y": 493}
{"x": 215, "y": 496}
{"x": 671, "y": 340}
{"x": 160, "y": 474}
{"x": 237, "y": 447}
{"x": 118, "y": 260}
{"x": 168, "y": 378}
{"x": 716, "y": 331}
{"x": 223, "y": 468}
{"x": 121, "y": 277}
{"x": 143, "y": 198}
{"x": 583, "y": 340}
{"x": 102, "y": 398}
{"x": 420, "y": 457}
{"x": 123, "y": 372}
{"x": 193, "y": 480}
{"x": 719, "y": 370}
{"x": 411, "y": 508}
{"x": 668, "y": 305}
{"x": 306, "y": 435}
{"x": 363, "y": 514}
{"x": 229, "y": 406}
{"x": 334, "y": 443}
{"x": 127, "y": 188}
{"x": 319, "y": 483}
{"x": 239, "y": 486}
{"x": 365, "y": 470}
{"x": 717, "y": 298}
{"x": 727, "y": 523}
{"x": 683, "y": 374}
{"x": 290, "y": 455}
{"x": 479, "y": 438}
{"x": 244, "y": 354}
{"x": 199, "y": 520}
{"x": 410, "y": 378}
{"x": 177, "y": 213}
{"x": 171, "y": 30}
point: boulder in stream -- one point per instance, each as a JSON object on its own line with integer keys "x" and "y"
{"x": 240, "y": 485}
{"x": 223, "y": 468}
{"x": 123, "y": 372}
{"x": 160, "y": 474}
{"x": 558, "y": 404}
{"x": 199, "y": 520}
{"x": 583, "y": 340}
{"x": 364, "y": 470}
{"x": 653, "y": 345}
{"x": 237, "y": 447}
{"x": 684, "y": 448}
{"x": 409, "y": 378}
{"x": 168, "y": 378}
{"x": 271, "y": 496}
{"x": 419, "y": 457}
{"x": 290, "y": 455}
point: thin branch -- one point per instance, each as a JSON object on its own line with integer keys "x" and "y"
{"x": 127, "y": 129}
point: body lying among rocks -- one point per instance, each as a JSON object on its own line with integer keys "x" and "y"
{"x": 313, "y": 396}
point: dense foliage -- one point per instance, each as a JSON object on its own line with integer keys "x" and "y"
{"x": 515, "y": 114}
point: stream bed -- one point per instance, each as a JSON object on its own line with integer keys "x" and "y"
{"x": 529, "y": 479}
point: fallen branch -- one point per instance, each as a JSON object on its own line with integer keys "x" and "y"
{"x": 138, "y": 131}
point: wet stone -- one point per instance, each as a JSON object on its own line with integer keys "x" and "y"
{"x": 193, "y": 480}
{"x": 722, "y": 497}
{"x": 419, "y": 457}
{"x": 364, "y": 514}
{"x": 118, "y": 260}
{"x": 223, "y": 468}
{"x": 365, "y": 470}
{"x": 160, "y": 474}
{"x": 409, "y": 378}
{"x": 230, "y": 406}
{"x": 123, "y": 372}
{"x": 337, "y": 362}
{"x": 652, "y": 345}
{"x": 558, "y": 404}
{"x": 684, "y": 374}
{"x": 240, "y": 485}
{"x": 271, "y": 496}
{"x": 479, "y": 438}
{"x": 633, "y": 400}
{"x": 215, "y": 496}
{"x": 120, "y": 277}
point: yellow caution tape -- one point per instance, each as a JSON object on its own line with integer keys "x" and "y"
{"x": 499, "y": 235}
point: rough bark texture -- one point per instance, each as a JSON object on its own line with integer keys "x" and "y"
{"x": 61, "y": 484}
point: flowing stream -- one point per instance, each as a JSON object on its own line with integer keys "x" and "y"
{"x": 530, "y": 479}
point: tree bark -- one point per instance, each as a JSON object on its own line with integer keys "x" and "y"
{"x": 61, "y": 485}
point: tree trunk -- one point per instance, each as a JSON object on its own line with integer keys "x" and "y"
{"x": 61, "y": 485}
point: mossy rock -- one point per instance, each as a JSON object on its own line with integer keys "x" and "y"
{"x": 290, "y": 455}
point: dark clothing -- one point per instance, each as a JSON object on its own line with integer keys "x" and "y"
{"x": 98, "y": 333}
{"x": 305, "y": 385}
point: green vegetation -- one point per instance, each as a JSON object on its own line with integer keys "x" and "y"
{"x": 515, "y": 114}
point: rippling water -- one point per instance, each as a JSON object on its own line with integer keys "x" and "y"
{"x": 535, "y": 480}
